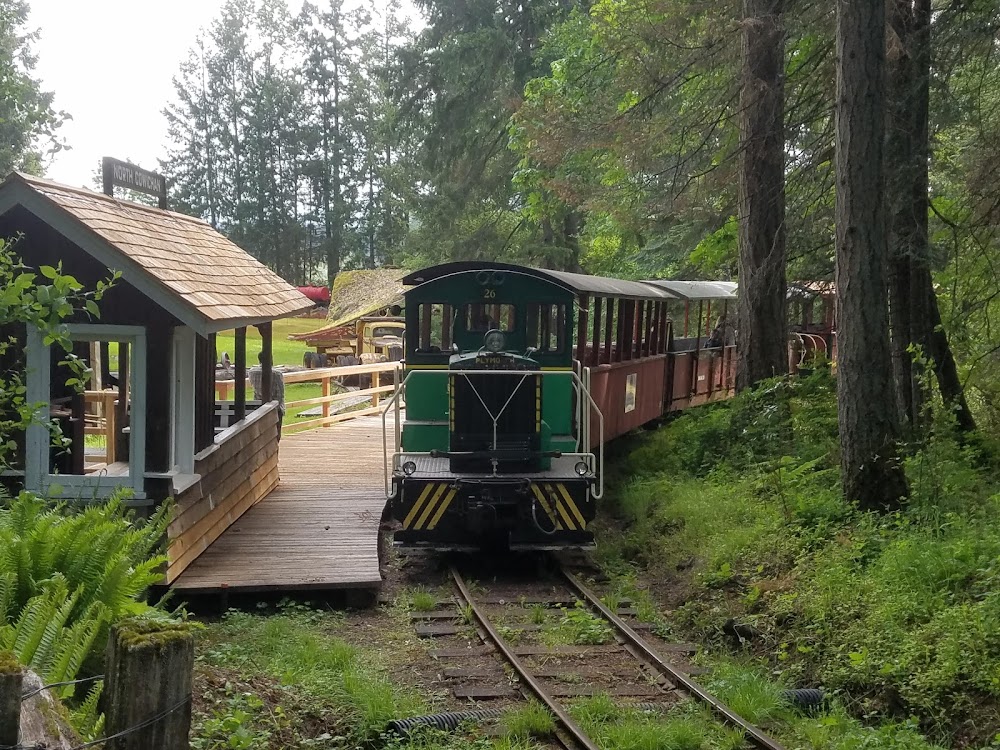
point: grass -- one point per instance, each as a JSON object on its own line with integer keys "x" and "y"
{"x": 577, "y": 626}
{"x": 288, "y": 680}
{"x": 294, "y": 648}
{"x": 423, "y": 601}
{"x": 899, "y": 614}
{"x": 284, "y": 352}
{"x": 532, "y": 720}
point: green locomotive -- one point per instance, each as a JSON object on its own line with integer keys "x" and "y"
{"x": 495, "y": 445}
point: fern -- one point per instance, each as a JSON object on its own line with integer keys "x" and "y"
{"x": 87, "y": 717}
{"x": 8, "y": 585}
{"x": 68, "y": 575}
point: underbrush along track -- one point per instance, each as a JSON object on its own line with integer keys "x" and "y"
{"x": 568, "y": 732}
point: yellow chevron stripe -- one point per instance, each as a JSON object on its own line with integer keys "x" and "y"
{"x": 430, "y": 506}
{"x": 545, "y": 506}
{"x": 416, "y": 506}
{"x": 568, "y": 500}
{"x": 441, "y": 509}
{"x": 559, "y": 507}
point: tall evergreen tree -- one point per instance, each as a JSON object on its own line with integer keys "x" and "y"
{"x": 762, "y": 326}
{"x": 28, "y": 123}
{"x": 871, "y": 472}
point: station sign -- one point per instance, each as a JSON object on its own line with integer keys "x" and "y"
{"x": 122, "y": 174}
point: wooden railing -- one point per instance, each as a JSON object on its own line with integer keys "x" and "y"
{"x": 104, "y": 422}
{"x": 325, "y": 377}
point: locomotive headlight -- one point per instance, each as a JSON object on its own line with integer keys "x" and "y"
{"x": 581, "y": 468}
{"x": 495, "y": 341}
{"x": 408, "y": 467}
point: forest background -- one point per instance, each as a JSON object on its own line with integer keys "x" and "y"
{"x": 602, "y": 137}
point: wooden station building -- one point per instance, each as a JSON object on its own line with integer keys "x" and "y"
{"x": 181, "y": 283}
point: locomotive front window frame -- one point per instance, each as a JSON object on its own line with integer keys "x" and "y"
{"x": 480, "y": 317}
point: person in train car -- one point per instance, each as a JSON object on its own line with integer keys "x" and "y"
{"x": 718, "y": 337}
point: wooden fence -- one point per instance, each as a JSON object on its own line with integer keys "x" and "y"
{"x": 380, "y": 373}
{"x": 101, "y": 420}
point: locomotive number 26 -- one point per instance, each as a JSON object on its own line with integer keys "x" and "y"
{"x": 489, "y": 293}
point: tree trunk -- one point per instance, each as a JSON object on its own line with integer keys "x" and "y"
{"x": 762, "y": 308}
{"x": 900, "y": 163}
{"x": 869, "y": 427}
{"x": 914, "y": 315}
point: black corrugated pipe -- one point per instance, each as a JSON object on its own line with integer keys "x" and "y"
{"x": 446, "y": 721}
{"x": 805, "y": 697}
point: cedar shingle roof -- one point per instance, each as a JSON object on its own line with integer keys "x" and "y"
{"x": 179, "y": 261}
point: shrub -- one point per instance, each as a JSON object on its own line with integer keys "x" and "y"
{"x": 67, "y": 576}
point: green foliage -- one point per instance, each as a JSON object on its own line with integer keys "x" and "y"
{"x": 64, "y": 577}
{"x": 621, "y": 727}
{"x": 578, "y": 625}
{"x": 42, "y": 299}
{"x": 43, "y": 638}
{"x": 103, "y": 552}
{"x": 528, "y": 721}
{"x": 897, "y": 612}
{"x": 28, "y": 123}
{"x": 292, "y": 647}
{"x": 423, "y": 601}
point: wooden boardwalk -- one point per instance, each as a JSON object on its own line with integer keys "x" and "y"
{"x": 317, "y": 530}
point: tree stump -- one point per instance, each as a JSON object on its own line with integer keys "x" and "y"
{"x": 11, "y": 687}
{"x": 148, "y": 685}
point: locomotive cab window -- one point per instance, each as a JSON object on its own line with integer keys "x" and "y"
{"x": 546, "y": 328}
{"x": 480, "y": 318}
{"x": 435, "y": 328}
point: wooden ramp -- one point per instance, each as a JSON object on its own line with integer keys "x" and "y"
{"x": 317, "y": 530}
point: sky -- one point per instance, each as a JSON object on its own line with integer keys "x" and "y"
{"x": 110, "y": 64}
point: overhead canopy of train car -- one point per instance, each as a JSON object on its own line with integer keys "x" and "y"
{"x": 696, "y": 290}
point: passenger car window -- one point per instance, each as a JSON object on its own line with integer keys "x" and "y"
{"x": 546, "y": 328}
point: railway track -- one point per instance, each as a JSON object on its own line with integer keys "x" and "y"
{"x": 613, "y": 659}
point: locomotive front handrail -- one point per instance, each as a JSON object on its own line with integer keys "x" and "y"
{"x": 583, "y": 434}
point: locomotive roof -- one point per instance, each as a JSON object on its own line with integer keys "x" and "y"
{"x": 579, "y": 283}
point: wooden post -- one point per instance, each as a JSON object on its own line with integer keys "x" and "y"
{"x": 325, "y": 385}
{"x": 204, "y": 392}
{"x": 581, "y": 330}
{"x": 697, "y": 353}
{"x": 620, "y": 330}
{"x": 595, "y": 352}
{"x": 110, "y": 426}
{"x": 266, "y": 362}
{"x": 121, "y": 448}
{"x": 11, "y": 687}
{"x": 159, "y": 429}
{"x": 240, "y": 405}
{"x": 609, "y": 327}
{"x": 375, "y": 384}
{"x": 149, "y": 672}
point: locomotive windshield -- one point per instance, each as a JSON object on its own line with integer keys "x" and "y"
{"x": 480, "y": 318}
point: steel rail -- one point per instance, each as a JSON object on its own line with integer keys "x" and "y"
{"x": 526, "y": 677}
{"x": 758, "y": 737}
